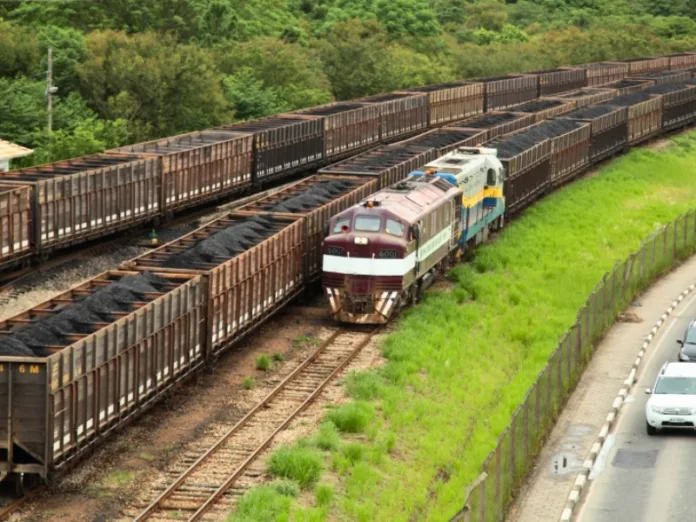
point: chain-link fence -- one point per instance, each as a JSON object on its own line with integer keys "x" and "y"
{"x": 503, "y": 472}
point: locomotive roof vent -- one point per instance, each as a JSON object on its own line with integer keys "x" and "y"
{"x": 371, "y": 203}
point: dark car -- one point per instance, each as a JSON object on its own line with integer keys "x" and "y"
{"x": 688, "y": 344}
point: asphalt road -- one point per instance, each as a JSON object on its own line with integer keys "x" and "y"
{"x": 639, "y": 478}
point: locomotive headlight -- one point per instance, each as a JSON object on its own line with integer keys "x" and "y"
{"x": 360, "y": 241}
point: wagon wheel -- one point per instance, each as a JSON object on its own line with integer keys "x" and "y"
{"x": 25, "y": 483}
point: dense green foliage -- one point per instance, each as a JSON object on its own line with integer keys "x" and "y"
{"x": 448, "y": 391}
{"x": 134, "y": 70}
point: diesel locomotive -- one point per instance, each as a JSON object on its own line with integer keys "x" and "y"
{"x": 382, "y": 253}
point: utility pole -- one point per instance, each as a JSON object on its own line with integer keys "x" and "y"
{"x": 49, "y": 89}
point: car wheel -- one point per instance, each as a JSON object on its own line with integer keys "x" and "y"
{"x": 652, "y": 430}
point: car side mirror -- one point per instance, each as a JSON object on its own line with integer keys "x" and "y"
{"x": 680, "y": 342}
{"x": 648, "y": 391}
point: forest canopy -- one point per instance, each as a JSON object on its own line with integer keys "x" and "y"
{"x": 130, "y": 70}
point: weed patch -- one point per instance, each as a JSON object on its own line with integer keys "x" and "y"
{"x": 301, "y": 464}
{"x": 353, "y": 417}
{"x": 249, "y": 383}
{"x": 263, "y": 362}
{"x": 328, "y": 437}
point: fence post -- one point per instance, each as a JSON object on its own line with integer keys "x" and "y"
{"x": 498, "y": 475}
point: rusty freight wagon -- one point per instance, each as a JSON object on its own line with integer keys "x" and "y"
{"x": 448, "y": 102}
{"x": 609, "y": 132}
{"x": 600, "y": 74}
{"x": 679, "y": 103}
{"x": 587, "y": 96}
{"x": 388, "y": 164}
{"x": 199, "y": 166}
{"x": 682, "y": 61}
{"x": 502, "y": 92}
{"x": 315, "y": 200}
{"x": 348, "y": 126}
{"x": 544, "y": 108}
{"x": 251, "y": 265}
{"x": 15, "y": 224}
{"x": 446, "y": 139}
{"x": 644, "y": 115}
{"x": 282, "y": 144}
{"x": 526, "y": 159}
{"x": 88, "y": 361}
{"x": 401, "y": 113}
{"x": 496, "y": 123}
{"x": 665, "y": 77}
{"x": 553, "y": 81}
{"x": 570, "y": 146}
{"x": 80, "y": 199}
{"x": 650, "y": 64}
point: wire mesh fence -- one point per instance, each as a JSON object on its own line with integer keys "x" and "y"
{"x": 505, "y": 468}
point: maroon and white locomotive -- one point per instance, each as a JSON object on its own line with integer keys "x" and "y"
{"x": 383, "y": 252}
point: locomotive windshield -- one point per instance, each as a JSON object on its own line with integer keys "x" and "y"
{"x": 367, "y": 223}
{"x": 394, "y": 228}
{"x": 345, "y": 222}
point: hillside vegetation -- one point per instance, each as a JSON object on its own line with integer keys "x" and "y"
{"x": 132, "y": 70}
{"x": 459, "y": 364}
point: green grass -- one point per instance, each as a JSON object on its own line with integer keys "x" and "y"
{"x": 353, "y": 417}
{"x": 323, "y": 495}
{"x": 263, "y": 362}
{"x": 328, "y": 437}
{"x": 118, "y": 479}
{"x": 364, "y": 385}
{"x": 262, "y": 504}
{"x": 249, "y": 383}
{"x": 278, "y": 357}
{"x": 302, "y": 341}
{"x": 300, "y": 463}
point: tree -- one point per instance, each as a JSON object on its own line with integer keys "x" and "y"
{"x": 19, "y": 50}
{"x": 489, "y": 15}
{"x": 68, "y": 50}
{"x": 160, "y": 87}
{"x": 294, "y": 73}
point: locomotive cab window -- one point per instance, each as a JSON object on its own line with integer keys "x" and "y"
{"x": 367, "y": 223}
{"x": 345, "y": 222}
{"x": 490, "y": 181}
{"x": 394, "y": 228}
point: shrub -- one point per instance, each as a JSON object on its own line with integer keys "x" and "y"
{"x": 286, "y": 487}
{"x": 278, "y": 357}
{"x": 249, "y": 383}
{"x": 261, "y": 504}
{"x": 353, "y": 451}
{"x": 301, "y": 464}
{"x": 353, "y": 417}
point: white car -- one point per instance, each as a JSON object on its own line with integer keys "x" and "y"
{"x": 672, "y": 402}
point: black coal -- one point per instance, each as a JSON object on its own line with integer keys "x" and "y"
{"x": 223, "y": 245}
{"x": 80, "y": 316}
{"x": 490, "y": 120}
{"x": 591, "y": 112}
{"x": 536, "y": 106}
{"x": 512, "y": 145}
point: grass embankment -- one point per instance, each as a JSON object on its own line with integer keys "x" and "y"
{"x": 460, "y": 363}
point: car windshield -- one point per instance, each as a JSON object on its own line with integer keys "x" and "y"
{"x": 367, "y": 223}
{"x": 344, "y": 222}
{"x": 691, "y": 336}
{"x": 676, "y": 386}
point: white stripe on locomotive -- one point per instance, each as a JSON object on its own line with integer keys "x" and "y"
{"x": 385, "y": 267}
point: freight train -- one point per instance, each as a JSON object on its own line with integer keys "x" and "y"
{"x": 50, "y": 207}
{"x": 384, "y": 251}
{"x": 83, "y": 364}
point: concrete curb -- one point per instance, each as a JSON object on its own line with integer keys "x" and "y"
{"x": 587, "y": 465}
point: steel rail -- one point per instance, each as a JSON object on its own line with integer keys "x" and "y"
{"x": 7, "y": 511}
{"x": 207, "y": 504}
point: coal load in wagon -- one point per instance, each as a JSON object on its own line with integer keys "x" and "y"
{"x": 515, "y": 144}
{"x": 84, "y": 316}
{"x": 622, "y": 84}
{"x": 626, "y": 100}
{"x": 490, "y": 120}
{"x": 536, "y": 106}
{"x": 591, "y": 112}
{"x": 314, "y": 196}
{"x": 223, "y": 245}
{"x": 441, "y": 138}
{"x": 666, "y": 88}
{"x": 575, "y": 94}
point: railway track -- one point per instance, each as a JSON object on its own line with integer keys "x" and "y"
{"x": 208, "y": 484}
{"x": 6, "y": 511}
